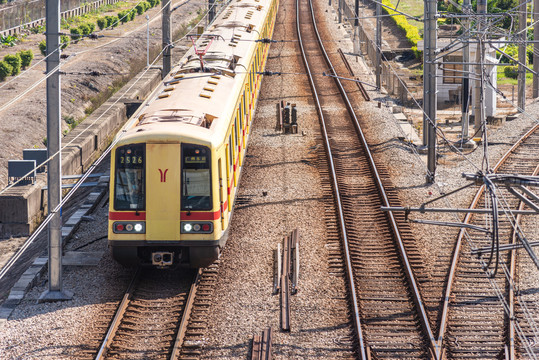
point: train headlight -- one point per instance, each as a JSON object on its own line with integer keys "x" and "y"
{"x": 129, "y": 227}
{"x": 187, "y": 227}
{"x": 138, "y": 227}
{"x": 196, "y": 227}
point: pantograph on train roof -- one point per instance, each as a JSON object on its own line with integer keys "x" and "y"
{"x": 185, "y": 116}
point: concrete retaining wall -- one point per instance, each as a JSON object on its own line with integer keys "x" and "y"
{"x": 23, "y": 207}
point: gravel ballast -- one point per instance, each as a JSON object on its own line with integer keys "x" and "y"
{"x": 280, "y": 191}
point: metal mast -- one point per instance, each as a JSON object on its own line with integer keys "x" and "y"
{"x": 535, "y": 48}
{"x": 479, "y": 109}
{"x": 521, "y": 85}
{"x": 429, "y": 87}
{"x": 167, "y": 43}
{"x": 466, "y": 7}
{"x": 378, "y": 64}
{"x": 54, "y": 170}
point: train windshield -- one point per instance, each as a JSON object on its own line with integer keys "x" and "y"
{"x": 196, "y": 178}
{"x": 129, "y": 178}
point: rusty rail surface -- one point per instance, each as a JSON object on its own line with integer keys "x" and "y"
{"x": 359, "y": 84}
{"x": 129, "y": 298}
{"x": 262, "y": 346}
{"x": 363, "y": 348}
{"x": 444, "y": 318}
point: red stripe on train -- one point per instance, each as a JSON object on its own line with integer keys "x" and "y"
{"x": 127, "y": 216}
{"x": 201, "y": 215}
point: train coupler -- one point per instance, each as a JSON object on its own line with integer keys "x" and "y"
{"x": 162, "y": 258}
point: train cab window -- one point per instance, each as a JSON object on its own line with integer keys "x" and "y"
{"x": 129, "y": 178}
{"x": 196, "y": 178}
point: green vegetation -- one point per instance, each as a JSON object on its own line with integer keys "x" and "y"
{"x": 75, "y": 33}
{"x": 15, "y": 62}
{"x": 505, "y": 79}
{"x": 26, "y": 58}
{"x": 102, "y": 23}
{"x": 412, "y": 32}
{"x": 43, "y": 47}
{"x": 510, "y": 71}
{"x": 10, "y": 40}
{"x": 5, "y": 70}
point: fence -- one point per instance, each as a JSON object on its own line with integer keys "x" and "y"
{"x": 390, "y": 80}
{"x": 16, "y": 16}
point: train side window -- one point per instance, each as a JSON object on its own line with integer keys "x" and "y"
{"x": 240, "y": 117}
{"x": 230, "y": 155}
{"x": 244, "y": 103}
{"x": 236, "y": 131}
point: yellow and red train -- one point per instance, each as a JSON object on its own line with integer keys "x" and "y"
{"x": 175, "y": 169}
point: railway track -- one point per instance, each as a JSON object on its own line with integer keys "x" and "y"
{"x": 151, "y": 320}
{"x": 387, "y": 309}
{"x": 473, "y": 323}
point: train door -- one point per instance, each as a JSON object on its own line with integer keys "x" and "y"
{"x": 163, "y": 191}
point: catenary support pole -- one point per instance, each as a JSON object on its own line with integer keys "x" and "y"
{"x": 479, "y": 108}
{"x": 378, "y": 64}
{"x": 466, "y": 8}
{"x": 429, "y": 87}
{"x": 536, "y": 49}
{"x": 521, "y": 93}
{"x": 357, "y": 45}
{"x": 167, "y": 43}
{"x": 147, "y": 41}
{"x": 211, "y": 10}
{"x": 54, "y": 171}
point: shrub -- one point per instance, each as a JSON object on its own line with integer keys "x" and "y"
{"x": 15, "y": 62}
{"x": 511, "y": 71}
{"x": 26, "y": 58}
{"x": 5, "y": 70}
{"x": 84, "y": 29}
{"x": 132, "y": 14}
{"x": 64, "y": 41}
{"x": 123, "y": 16}
{"x": 152, "y": 3}
{"x": 112, "y": 21}
{"x": 91, "y": 26}
{"x": 147, "y": 5}
{"x": 43, "y": 47}
{"x": 141, "y": 7}
{"x": 412, "y": 33}
{"x": 75, "y": 34}
{"x": 102, "y": 23}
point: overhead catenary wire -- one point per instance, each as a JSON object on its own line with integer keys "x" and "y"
{"x": 519, "y": 329}
{"x": 90, "y": 125}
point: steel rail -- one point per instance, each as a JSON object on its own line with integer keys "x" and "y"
{"x": 182, "y": 327}
{"x": 175, "y": 353}
{"x": 402, "y": 251}
{"x": 511, "y": 290}
{"x": 420, "y": 305}
{"x": 458, "y": 244}
{"x": 355, "y": 303}
{"x": 118, "y": 317}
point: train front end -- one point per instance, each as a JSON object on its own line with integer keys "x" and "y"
{"x": 163, "y": 211}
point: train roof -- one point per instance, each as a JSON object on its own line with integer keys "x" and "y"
{"x": 197, "y": 101}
